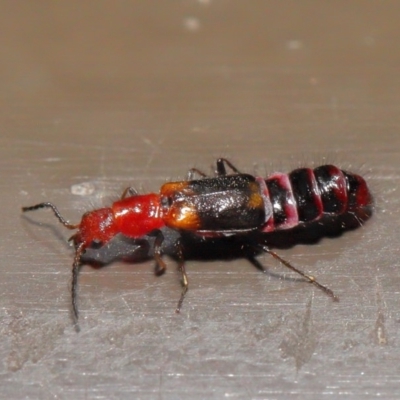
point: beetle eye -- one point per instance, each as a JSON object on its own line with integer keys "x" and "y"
{"x": 96, "y": 244}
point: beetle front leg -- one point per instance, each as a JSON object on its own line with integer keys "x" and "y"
{"x": 160, "y": 264}
{"x": 129, "y": 192}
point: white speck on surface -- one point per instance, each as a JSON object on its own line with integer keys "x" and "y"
{"x": 191, "y": 24}
{"x": 369, "y": 40}
{"x": 83, "y": 189}
{"x": 294, "y": 44}
{"x": 52, "y": 159}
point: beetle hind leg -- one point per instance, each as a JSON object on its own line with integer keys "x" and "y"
{"x": 193, "y": 172}
{"x": 309, "y": 278}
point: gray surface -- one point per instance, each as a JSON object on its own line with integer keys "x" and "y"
{"x": 136, "y": 93}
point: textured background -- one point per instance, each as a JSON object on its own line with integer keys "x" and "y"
{"x": 114, "y": 93}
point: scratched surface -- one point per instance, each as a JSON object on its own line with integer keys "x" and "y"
{"x": 95, "y": 98}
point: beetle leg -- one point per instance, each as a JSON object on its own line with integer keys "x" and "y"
{"x": 185, "y": 282}
{"x": 221, "y": 170}
{"x": 161, "y": 267}
{"x": 160, "y": 264}
{"x": 129, "y": 192}
{"x": 194, "y": 171}
{"x": 309, "y": 278}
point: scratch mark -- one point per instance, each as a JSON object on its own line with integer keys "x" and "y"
{"x": 334, "y": 106}
{"x": 127, "y": 304}
{"x": 154, "y": 148}
{"x": 31, "y": 341}
{"x": 103, "y": 159}
{"x": 301, "y": 341}
{"x": 379, "y": 333}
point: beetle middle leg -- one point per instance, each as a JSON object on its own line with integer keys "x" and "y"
{"x": 161, "y": 267}
{"x": 185, "y": 282}
{"x": 221, "y": 169}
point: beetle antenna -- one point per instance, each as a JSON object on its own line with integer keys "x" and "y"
{"x": 56, "y": 213}
{"x": 74, "y": 284}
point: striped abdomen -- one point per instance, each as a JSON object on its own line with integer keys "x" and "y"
{"x": 306, "y": 195}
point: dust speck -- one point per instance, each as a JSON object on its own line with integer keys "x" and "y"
{"x": 83, "y": 189}
{"x": 369, "y": 40}
{"x": 191, "y": 24}
{"x": 294, "y": 44}
{"x": 52, "y": 159}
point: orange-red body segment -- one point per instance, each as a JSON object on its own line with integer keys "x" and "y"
{"x": 179, "y": 212}
{"x": 133, "y": 217}
{"x": 138, "y": 215}
{"x": 96, "y": 226}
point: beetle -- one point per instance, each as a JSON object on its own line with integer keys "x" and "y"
{"x": 211, "y": 209}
